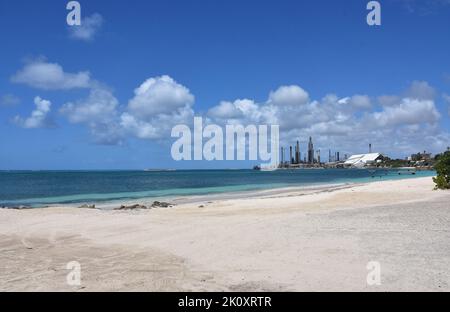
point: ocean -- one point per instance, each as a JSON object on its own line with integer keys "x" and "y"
{"x": 41, "y": 188}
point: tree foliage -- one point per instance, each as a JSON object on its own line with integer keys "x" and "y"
{"x": 443, "y": 172}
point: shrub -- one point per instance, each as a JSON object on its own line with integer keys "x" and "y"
{"x": 443, "y": 172}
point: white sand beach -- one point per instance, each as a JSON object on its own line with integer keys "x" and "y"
{"x": 288, "y": 240}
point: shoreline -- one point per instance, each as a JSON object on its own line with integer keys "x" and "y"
{"x": 236, "y": 195}
{"x": 193, "y": 198}
{"x": 321, "y": 241}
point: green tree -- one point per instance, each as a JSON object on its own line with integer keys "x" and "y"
{"x": 443, "y": 172}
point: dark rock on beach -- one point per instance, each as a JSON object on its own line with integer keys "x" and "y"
{"x": 16, "y": 207}
{"x": 132, "y": 207}
{"x": 155, "y": 204}
{"x": 87, "y": 206}
{"x": 158, "y": 204}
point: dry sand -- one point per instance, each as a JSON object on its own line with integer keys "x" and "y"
{"x": 288, "y": 240}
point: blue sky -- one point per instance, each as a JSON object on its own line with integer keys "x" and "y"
{"x": 314, "y": 67}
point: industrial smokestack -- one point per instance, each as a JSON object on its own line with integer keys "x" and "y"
{"x": 291, "y": 159}
{"x": 310, "y": 151}
{"x": 370, "y": 148}
{"x": 282, "y": 155}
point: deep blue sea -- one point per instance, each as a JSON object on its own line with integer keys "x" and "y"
{"x": 39, "y": 188}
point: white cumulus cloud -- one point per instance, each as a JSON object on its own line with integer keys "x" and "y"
{"x": 407, "y": 112}
{"x": 89, "y": 27}
{"x": 356, "y": 102}
{"x": 99, "y": 106}
{"x": 160, "y": 95}
{"x": 158, "y": 104}
{"x": 100, "y": 112}
{"x": 289, "y": 95}
{"x": 41, "y": 74}
{"x": 236, "y": 110}
{"x": 39, "y": 116}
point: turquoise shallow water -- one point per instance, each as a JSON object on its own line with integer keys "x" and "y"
{"x": 59, "y": 187}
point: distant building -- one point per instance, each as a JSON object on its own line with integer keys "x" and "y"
{"x": 360, "y": 161}
{"x": 421, "y": 156}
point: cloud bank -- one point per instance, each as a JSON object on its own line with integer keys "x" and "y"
{"x": 396, "y": 124}
{"x": 392, "y": 123}
{"x": 399, "y": 124}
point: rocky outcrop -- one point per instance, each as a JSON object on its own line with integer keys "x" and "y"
{"x": 131, "y": 207}
{"x": 16, "y": 207}
{"x": 155, "y": 205}
{"x": 158, "y": 204}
